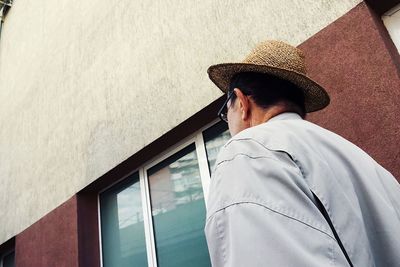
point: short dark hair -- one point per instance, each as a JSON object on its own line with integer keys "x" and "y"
{"x": 268, "y": 90}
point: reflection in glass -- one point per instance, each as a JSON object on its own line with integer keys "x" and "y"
{"x": 122, "y": 227}
{"x": 178, "y": 209}
{"x": 215, "y": 137}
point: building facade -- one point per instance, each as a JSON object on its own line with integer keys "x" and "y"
{"x": 108, "y": 119}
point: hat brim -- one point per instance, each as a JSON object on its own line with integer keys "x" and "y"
{"x": 316, "y": 98}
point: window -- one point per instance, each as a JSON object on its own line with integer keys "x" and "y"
{"x": 156, "y": 216}
{"x": 8, "y": 259}
{"x": 123, "y": 239}
{"x": 215, "y": 137}
{"x": 178, "y": 210}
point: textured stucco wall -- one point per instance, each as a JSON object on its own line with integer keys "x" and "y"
{"x": 392, "y": 23}
{"x": 85, "y": 84}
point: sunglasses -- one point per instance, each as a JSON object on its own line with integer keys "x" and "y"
{"x": 223, "y": 112}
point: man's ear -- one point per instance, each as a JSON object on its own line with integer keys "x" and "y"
{"x": 244, "y": 104}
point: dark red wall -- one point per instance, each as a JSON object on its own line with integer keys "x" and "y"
{"x": 88, "y": 230}
{"x": 52, "y": 241}
{"x": 356, "y": 61}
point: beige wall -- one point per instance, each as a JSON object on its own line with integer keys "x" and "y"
{"x": 391, "y": 19}
{"x": 86, "y": 84}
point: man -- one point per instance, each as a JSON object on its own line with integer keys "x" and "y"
{"x": 286, "y": 192}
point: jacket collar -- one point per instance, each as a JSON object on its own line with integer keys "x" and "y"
{"x": 286, "y": 116}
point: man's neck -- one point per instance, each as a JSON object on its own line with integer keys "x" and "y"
{"x": 259, "y": 115}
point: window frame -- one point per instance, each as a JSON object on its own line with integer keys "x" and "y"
{"x": 5, "y": 254}
{"x": 195, "y": 138}
{"x": 117, "y": 182}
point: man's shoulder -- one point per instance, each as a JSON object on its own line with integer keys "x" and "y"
{"x": 295, "y": 138}
{"x": 266, "y": 140}
{"x": 274, "y": 134}
{"x": 251, "y": 141}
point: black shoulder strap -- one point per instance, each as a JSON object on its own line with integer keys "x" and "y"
{"x": 328, "y": 219}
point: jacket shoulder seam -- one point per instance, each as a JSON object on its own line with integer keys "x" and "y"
{"x": 275, "y": 210}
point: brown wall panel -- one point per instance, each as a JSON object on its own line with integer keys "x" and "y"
{"x": 88, "y": 230}
{"x": 353, "y": 59}
{"x": 52, "y": 241}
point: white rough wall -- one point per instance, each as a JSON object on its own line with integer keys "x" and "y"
{"x": 391, "y": 19}
{"x": 86, "y": 84}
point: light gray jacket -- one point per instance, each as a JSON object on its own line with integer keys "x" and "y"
{"x": 261, "y": 210}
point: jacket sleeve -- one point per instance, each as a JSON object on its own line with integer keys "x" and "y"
{"x": 260, "y": 214}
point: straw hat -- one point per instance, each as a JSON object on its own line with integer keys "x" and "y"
{"x": 279, "y": 59}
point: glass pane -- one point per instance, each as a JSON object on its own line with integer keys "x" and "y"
{"x": 178, "y": 211}
{"x": 215, "y": 137}
{"x": 9, "y": 260}
{"x": 122, "y": 228}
